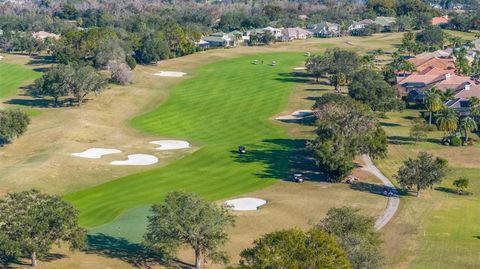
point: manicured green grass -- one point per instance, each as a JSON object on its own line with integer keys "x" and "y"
{"x": 13, "y": 76}
{"x": 225, "y": 105}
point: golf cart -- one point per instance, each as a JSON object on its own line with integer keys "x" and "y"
{"x": 242, "y": 150}
{"x": 298, "y": 178}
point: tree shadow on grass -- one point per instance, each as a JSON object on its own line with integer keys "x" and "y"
{"x": 404, "y": 140}
{"x": 452, "y": 191}
{"x": 124, "y": 250}
{"x": 282, "y": 158}
{"x": 297, "y": 77}
{"x": 369, "y": 187}
{"x": 7, "y": 262}
{"x": 41, "y": 60}
{"x": 35, "y": 102}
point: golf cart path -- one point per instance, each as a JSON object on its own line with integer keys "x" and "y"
{"x": 393, "y": 201}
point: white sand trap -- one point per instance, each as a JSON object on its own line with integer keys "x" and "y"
{"x": 299, "y": 68}
{"x": 137, "y": 159}
{"x": 172, "y": 74}
{"x": 171, "y": 144}
{"x": 297, "y": 115}
{"x": 96, "y": 153}
{"x": 245, "y": 204}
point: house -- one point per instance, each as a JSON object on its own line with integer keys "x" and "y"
{"x": 303, "y": 17}
{"x": 325, "y": 29}
{"x": 289, "y": 34}
{"x": 461, "y": 103}
{"x": 203, "y": 44}
{"x": 220, "y": 39}
{"x": 415, "y": 86}
{"x": 41, "y": 35}
{"x": 435, "y": 54}
{"x": 242, "y": 36}
{"x": 385, "y": 22}
{"x": 276, "y": 32}
{"x": 360, "y": 24}
{"x": 442, "y": 20}
{"x": 441, "y": 63}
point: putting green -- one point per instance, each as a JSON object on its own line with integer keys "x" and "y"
{"x": 226, "y": 104}
{"x": 13, "y": 76}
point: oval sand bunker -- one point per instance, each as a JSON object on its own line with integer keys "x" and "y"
{"x": 137, "y": 159}
{"x": 171, "y": 144}
{"x": 172, "y": 74}
{"x": 96, "y": 153}
{"x": 245, "y": 204}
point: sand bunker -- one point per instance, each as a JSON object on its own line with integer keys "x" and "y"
{"x": 170, "y": 74}
{"x": 137, "y": 159}
{"x": 297, "y": 115}
{"x": 299, "y": 68}
{"x": 171, "y": 144}
{"x": 245, "y": 204}
{"x": 96, "y": 153}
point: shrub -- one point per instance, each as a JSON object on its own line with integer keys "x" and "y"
{"x": 455, "y": 141}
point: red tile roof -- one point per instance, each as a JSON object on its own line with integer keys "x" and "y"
{"x": 439, "y": 20}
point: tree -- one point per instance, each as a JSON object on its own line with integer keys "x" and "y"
{"x": 153, "y": 48}
{"x": 447, "y": 120}
{"x": 408, "y": 43}
{"x": 423, "y": 172}
{"x": 56, "y": 82}
{"x": 433, "y": 103}
{"x": 187, "y": 219}
{"x": 32, "y": 222}
{"x": 468, "y": 125}
{"x": 13, "y": 123}
{"x": 432, "y": 37}
{"x": 342, "y": 62}
{"x": 108, "y": 53}
{"x": 418, "y": 130}
{"x": 315, "y": 65}
{"x": 337, "y": 80}
{"x": 345, "y": 128}
{"x": 356, "y": 234}
{"x": 85, "y": 81}
{"x": 461, "y": 184}
{"x": 294, "y": 249}
{"x": 370, "y": 87}
{"x": 122, "y": 74}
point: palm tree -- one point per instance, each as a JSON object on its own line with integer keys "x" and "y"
{"x": 433, "y": 103}
{"x": 448, "y": 95}
{"x": 447, "y": 120}
{"x": 468, "y": 125}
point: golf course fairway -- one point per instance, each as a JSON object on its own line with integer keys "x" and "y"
{"x": 12, "y": 76}
{"x": 226, "y": 104}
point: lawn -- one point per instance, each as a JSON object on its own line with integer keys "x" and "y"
{"x": 226, "y": 104}
{"x": 439, "y": 229}
{"x": 12, "y": 76}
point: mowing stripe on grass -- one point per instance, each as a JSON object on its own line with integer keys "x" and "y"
{"x": 13, "y": 76}
{"x": 225, "y": 105}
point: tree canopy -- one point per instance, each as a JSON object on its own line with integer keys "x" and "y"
{"x": 345, "y": 128}
{"x": 370, "y": 87}
{"x": 187, "y": 219}
{"x": 295, "y": 249}
{"x": 13, "y": 123}
{"x": 31, "y": 222}
{"x": 356, "y": 234}
{"x": 422, "y": 172}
